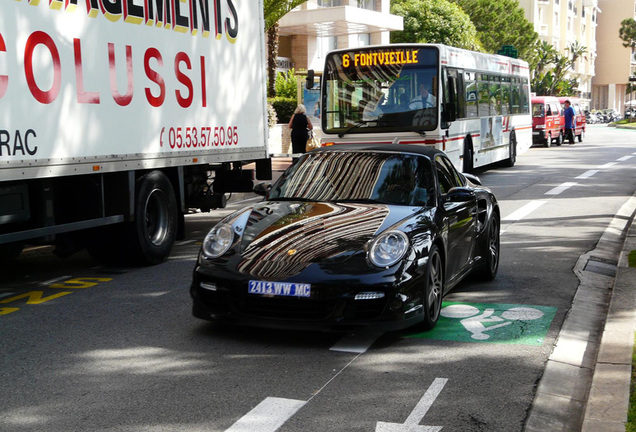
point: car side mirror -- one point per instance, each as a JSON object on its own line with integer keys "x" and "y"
{"x": 473, "y": 179}
{"x": 460, "y": 195}
{"x": 262, "y": 189}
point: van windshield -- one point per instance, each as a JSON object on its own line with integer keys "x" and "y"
{"x": 538, "y": 110}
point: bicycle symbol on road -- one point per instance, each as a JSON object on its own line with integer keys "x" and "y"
{"x": 492, "y": 323}
{"x": 476, "y": 323}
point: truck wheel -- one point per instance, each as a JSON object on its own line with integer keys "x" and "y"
{"x": 153, "y": 232}
{"x": 9, "y": 252}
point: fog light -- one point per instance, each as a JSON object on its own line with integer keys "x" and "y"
{"x": 398, "y": 302}
{"x": 369, "y": 296}
{"x": 208, "y": 286}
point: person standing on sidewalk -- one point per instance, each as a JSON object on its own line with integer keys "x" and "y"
{"x": 300, "y": 126}
{"x": 570, "y": 121}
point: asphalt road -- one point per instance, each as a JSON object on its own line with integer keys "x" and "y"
{"x": 92, "y": 348}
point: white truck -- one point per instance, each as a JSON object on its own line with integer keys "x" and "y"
{"x": 117, "y": 116}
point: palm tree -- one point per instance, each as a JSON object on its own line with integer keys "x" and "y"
{"x": 274, "y": 10}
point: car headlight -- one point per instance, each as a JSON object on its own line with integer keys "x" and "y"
{"x": 218, "y": 240}
{"x": 388, "y": 248}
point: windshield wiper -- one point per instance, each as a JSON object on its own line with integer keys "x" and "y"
{"x": 356, "y": 126}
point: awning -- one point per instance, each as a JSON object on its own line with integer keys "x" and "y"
{"x": 337, "y": 21}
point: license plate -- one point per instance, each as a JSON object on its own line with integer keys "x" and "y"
{"x": 283, "y": 289}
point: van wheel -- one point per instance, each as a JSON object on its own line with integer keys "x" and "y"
{"x": 559, "y": 139}
{"x": 581, "y": 136}
{"x": 548, "y": 141}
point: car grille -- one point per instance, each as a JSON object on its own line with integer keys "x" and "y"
{"x": 328, "y": 303}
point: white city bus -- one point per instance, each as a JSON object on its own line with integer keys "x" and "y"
{"x": 477, "y": 109}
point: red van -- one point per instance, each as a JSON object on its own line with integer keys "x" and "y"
{"x": 579, "y": 116}
{"x": 546, "y": 120}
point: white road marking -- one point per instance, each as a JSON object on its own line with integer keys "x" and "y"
{"x": 52, "y": 281}
{"x": 587, "y": 174}
{"x": 624, "y": 158}
{"x": 608, "y": 165}
{"x": 559, "y": 189}
{"x": 356, "y": 342}
{"x": 267, "y": 416}
{"x": 6, "y": 294}
{"x": 524, "y": 211}
{"x": 184, "y": 242}
{"x": 412, "y": 422}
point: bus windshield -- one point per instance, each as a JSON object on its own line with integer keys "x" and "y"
{"x": 386, "y": 89}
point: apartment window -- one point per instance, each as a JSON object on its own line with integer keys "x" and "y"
{"x": 366, "y": 4}
{"x": 364, "y": 39}
{"x": 329, "y": 3}
{"x": 326, "y": 44}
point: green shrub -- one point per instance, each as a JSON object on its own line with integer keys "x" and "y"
{"x": 286, "y": 84}
{"x": 284, "y": 107}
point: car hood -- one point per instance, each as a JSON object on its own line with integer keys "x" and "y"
{"x": 282, "y": 238}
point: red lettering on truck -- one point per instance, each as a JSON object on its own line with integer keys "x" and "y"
{"x": 83, "y": 96}
{"x": 184, "y": 102}
{"x": 155, "y": 101}
{"x": 42, "y": 96}
{"x": 121, "y": 100}
{"x": 4, "y": 79}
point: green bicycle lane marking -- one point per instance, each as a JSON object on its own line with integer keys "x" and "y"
{"x": 491, "y": 323}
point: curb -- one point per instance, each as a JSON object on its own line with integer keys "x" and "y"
{"x": 608, "y": 402}
{"x": 585, "y": 384}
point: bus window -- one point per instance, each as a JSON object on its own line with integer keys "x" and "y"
{"x": 505, "y": 96}
{"x": 525, "y": 103}
{"x": 515, "y": 97}
{"x": 484, "y": 97}
{"x": 471, "y": 94}
{"x": 495, "y": 97}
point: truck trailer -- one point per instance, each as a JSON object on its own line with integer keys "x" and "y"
{"x": 117, "y": 117}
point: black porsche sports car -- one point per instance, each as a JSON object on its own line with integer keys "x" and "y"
{"x": 350, "y": 236}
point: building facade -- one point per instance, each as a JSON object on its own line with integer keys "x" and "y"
{"x": 615, "y": 63}
{"x": 311, "y": 30}
{"x": 565, "y": 24}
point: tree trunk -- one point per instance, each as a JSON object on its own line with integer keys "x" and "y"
{"x": 272, "y": 55}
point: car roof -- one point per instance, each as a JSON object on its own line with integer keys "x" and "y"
{"x": 424, "y": 150}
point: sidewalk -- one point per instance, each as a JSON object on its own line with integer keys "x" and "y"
{"x": 585, "y": 386}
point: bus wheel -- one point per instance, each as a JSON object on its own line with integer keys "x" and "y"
{"x": 468, "y": 157}
{"x": 154, "y": 230}
{"x": 510, "y": 162}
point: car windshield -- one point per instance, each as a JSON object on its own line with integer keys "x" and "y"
{"x": 345, "y": 176}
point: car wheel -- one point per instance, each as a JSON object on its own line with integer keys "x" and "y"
{"x": 434, "y": 289}
{"x": 491, "y": 250}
